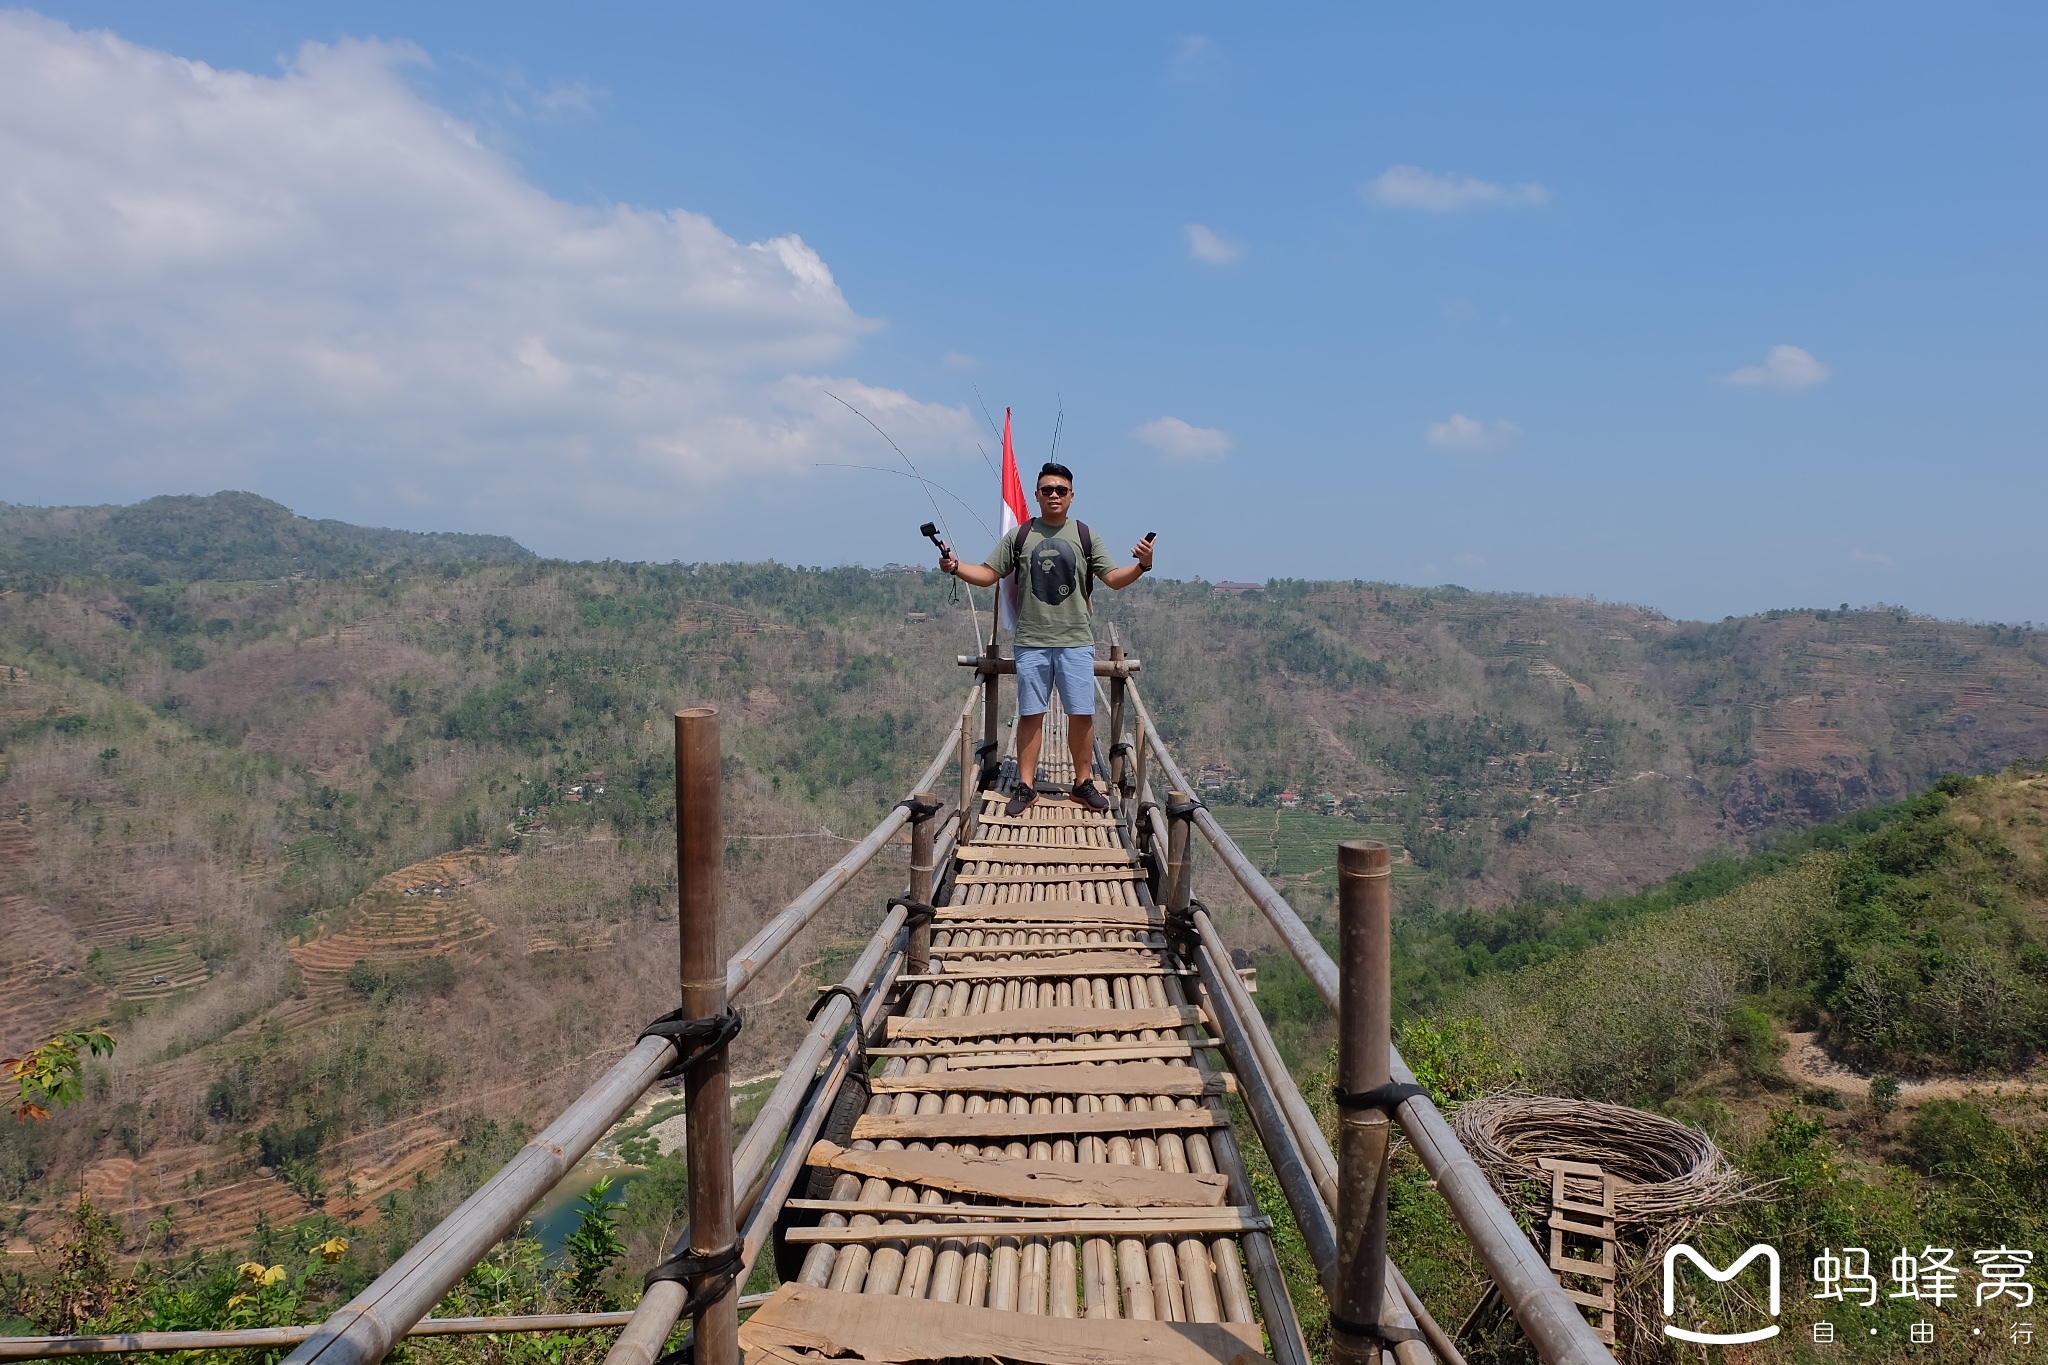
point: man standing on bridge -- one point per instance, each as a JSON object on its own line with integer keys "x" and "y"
{"x": 1057, "y": 563}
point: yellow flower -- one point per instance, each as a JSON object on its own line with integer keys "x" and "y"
{"x": 332, "y": 1249}
{"x": 274, "y": 1275}
{"x": 250, "y": 1269}
{"x": 237, "y": 1300}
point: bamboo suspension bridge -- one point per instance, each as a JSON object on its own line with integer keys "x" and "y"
{"x": 1004, "y": 1134}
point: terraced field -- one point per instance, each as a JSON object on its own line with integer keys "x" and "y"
{"x": 1299, "y": 847}
{"x": 416, "y": 912}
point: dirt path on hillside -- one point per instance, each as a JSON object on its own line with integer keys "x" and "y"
{"x": 1807, "y": 1061}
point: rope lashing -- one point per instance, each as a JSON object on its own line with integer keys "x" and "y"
{"x": 695, "y": 1039}
{"x": 1182, "y": 810}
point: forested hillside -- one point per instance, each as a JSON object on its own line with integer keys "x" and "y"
{"x": 1859, "y": 1017}
{"x": 360, "y": 839}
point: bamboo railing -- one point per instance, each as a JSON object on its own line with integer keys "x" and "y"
{"x": 1337, "y": 1198}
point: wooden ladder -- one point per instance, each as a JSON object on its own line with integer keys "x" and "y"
{"x": 1583, "y": 1189}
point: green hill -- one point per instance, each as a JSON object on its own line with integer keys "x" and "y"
{"x": 352, "y": 833}
{"x": 225, "y": 536}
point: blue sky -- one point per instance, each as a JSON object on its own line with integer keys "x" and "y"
{"x": 1711, "y": 310}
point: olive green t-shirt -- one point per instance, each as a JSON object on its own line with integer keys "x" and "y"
{"x": 1052, "y": 609}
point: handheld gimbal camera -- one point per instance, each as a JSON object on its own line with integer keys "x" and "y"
{"x": 930, "y": 531}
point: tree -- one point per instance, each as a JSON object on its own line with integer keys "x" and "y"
{"x": 50, "y": 1073}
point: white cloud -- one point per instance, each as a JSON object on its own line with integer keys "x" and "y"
{"x": 224, "y": 277}
{"x": 1411, "y": 187}
{"x": 1196, "y": 60}
{"x": 960, "y": 360}
{"x": 567, "y": 97}
{"x": 1869, "y": 557}
{"x": 1473, "y": 563}
{"x": 1211, "y": 247}
{"x": 1786, "y": 367}
{"x": 1459, "y": 432}
{"x": 1178, "y": 440}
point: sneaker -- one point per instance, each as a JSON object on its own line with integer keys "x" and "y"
{"x": 1021, "y": 798}
{"x": 1090, "y": 795}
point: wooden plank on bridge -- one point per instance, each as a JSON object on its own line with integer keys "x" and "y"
{"x": 1004, "y": 1212}
{"x": 1020, "y": 854}
{"x": 1027, "y": 1181}
{"x": 1099, "y": 964}
{"x": 1111, "y": 1078}
{"x": 1050, "y": 1055}
{"x": 1046, "y": 1023}
{"x": 800, "y": 1322}
{"x": 1061, "y": 912}
{"x": 1005, "y": 1125}
{"x": 1086, "y": 874}
{"x": 1202, "y": 1223}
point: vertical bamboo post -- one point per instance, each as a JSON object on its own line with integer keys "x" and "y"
{"x": 700, "y": 862}
{"x": 991, "y": 681}
{"x": 1179, "y": 830}
{"x": 1364, "y": 1041}
{"x": 970, "y": 800}
{"x": 1138, "y": 760}
{"x": 923, "y": 829}
{"x": 1118, "y": 762}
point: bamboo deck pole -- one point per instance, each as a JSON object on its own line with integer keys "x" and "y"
{"x": 700, "y": 863}
{"x": 1364, "y": 1046}
{"x": 1179, "y": 854}
{"x": 923, "y": 826}
{"x": 1119, "y": 762}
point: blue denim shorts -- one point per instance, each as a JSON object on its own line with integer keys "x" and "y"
{"x": 1071, "y": 670}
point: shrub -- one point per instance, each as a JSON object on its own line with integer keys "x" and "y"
{"x": 1952, "y": 1137}
{"x": 1752, "y": 1044}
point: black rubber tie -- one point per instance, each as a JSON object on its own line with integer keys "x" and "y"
{"x": 1181, "y": 810}
{"x": 916, "y": 914}
{"x": 1372, "y": 1330}
{"x": 1385, "y": 1098}
{"x": 920, "y": 811}
{"x": 859, "y": 1065}
{"x": 695, "y": 1039}
{"x": 708, "y": 1273}
{"x": 1181, "y": 934}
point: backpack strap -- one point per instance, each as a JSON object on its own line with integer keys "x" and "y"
{"x": 1087, "y": 556}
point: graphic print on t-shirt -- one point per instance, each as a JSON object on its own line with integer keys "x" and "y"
{"x": 1054, "y": 570}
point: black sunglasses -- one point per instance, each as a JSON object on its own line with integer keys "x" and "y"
{"x": 1053, "y": 490}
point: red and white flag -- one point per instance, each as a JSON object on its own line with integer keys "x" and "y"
{"x": 1015, "y": 512}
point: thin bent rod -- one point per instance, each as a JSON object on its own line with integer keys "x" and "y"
{"x": 1553, "y": 1325}
{"x": 364, "y": 1330}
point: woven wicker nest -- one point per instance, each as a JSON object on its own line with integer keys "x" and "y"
{"x": 1674, "y": 1173}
